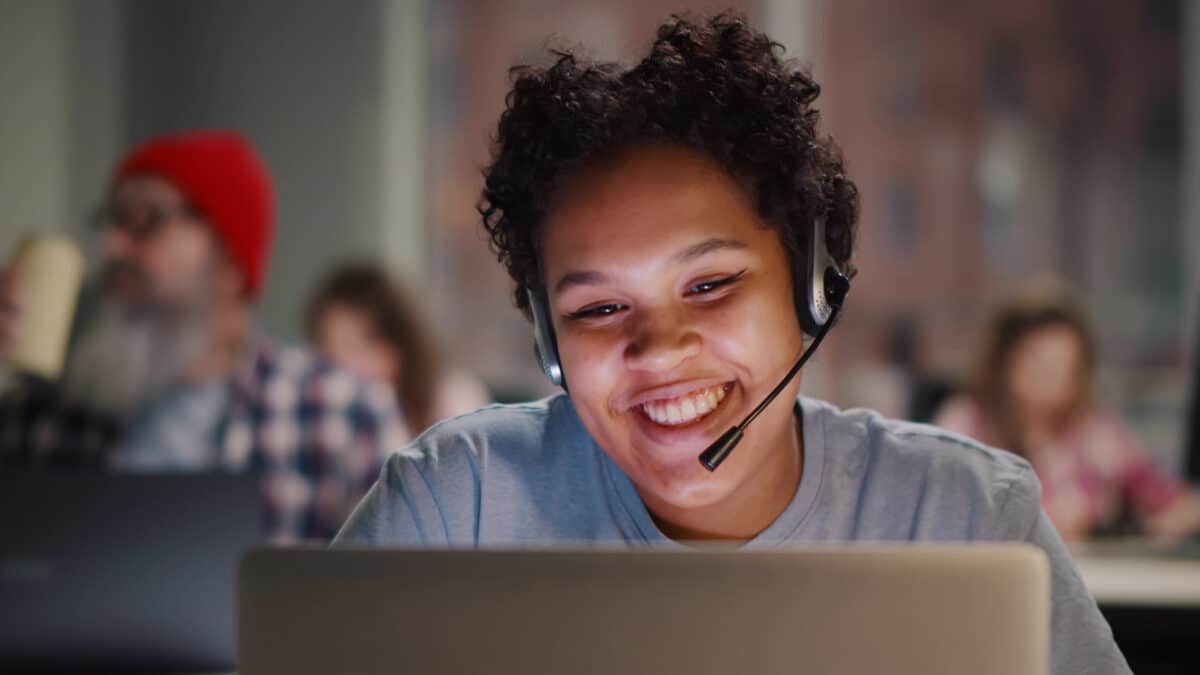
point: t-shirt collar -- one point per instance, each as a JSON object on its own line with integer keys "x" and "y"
{"x": 778, "y": 532}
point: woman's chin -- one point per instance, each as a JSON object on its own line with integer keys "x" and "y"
{"x": 681, "y": 483}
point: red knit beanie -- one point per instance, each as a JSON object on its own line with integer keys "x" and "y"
{"x": 224, "y": 179}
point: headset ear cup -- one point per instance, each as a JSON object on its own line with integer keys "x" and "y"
{"x": 545, "y": 344}
{"x": 803, "y": 291}
{"x": 820, "y": 284}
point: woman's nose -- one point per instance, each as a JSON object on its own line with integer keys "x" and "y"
{"x": 661, "y": 341}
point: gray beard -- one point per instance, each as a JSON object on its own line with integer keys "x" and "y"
{"x": 127, "y": 357}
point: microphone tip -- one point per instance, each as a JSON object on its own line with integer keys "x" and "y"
{"x": 716, "y": 453}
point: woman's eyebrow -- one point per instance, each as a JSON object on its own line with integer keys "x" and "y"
{"x": 592, "y": 277}
{"x": 705, "y": 247}
{"x": 580, "y": 278}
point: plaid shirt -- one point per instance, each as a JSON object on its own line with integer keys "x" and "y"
{"x": 315, "y": 435}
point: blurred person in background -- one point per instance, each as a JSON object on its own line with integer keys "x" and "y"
{"x": 168, "y": 371}
{"x": 1031, "y": 393}
{"x": 664, "y": 225}
{"x": 362, "y": 320}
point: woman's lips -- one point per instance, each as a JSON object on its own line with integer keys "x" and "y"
{"x": 693, "y": 430}
{"x": 685, "y": 408}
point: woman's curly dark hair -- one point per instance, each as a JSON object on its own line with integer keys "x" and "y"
{"x": 715, "y": 85}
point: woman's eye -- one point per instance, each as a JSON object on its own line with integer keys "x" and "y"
{"x": 710, "y": 286}
{"x": 597, "y": 311}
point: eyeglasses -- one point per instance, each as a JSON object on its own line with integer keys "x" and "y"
{"x": 141, "y": 222}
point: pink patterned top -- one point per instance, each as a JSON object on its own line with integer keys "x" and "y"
{"x": 1092, "y": 469}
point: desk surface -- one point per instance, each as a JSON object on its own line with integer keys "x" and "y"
{"x": 1141, "y": 574}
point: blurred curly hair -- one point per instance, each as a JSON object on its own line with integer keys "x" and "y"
{"x": 714, "y": 85}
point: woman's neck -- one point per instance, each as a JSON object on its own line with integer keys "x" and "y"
{"x": 751, "y": 508}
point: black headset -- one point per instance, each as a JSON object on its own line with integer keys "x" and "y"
{"x": 819, "y": 291}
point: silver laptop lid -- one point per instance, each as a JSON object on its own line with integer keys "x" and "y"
{"x": 977, "y": 609}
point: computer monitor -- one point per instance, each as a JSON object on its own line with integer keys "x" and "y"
{"x": 983, "y": 610}
{"x": 122, "y": 573}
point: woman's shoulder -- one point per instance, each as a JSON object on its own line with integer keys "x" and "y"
{"x": 500, "y": 432}
{"x": 915, "y": 440}
{"x": 892, "y": 454}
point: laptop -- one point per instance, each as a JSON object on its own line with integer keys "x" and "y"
{"x": 982, "y": 609}
{"x": 122, "y": 572}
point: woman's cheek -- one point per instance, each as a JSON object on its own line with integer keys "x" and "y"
{"x": 736, "y": 329}
{"x": 592, "y": 365}
{"x": 585, "y": 349}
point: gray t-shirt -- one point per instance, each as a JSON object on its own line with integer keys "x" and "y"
{"x": 530, "y": 475}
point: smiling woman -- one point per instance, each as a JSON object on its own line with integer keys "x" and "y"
{"x": 659, "y": 224}
{"x": 676, "y": 319}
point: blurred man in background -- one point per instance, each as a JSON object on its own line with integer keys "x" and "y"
{"x": 169, "y": 373}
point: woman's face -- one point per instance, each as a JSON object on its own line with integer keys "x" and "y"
{"x": 345, "y": 337}
{"x": 1044, "y": 371}
{"x": 674, "y": 314}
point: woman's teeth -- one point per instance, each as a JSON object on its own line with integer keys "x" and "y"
{"x": 685, "y": 409}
